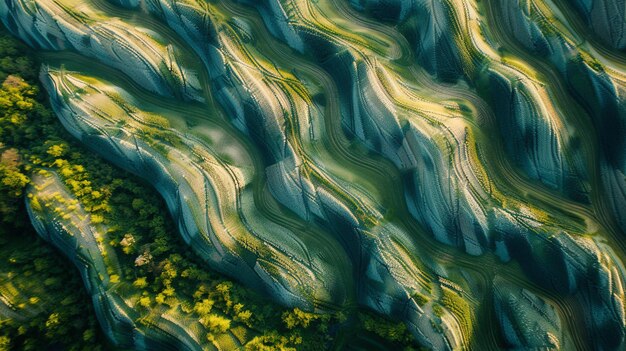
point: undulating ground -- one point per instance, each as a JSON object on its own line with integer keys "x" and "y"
{"x": 331, "y": 174}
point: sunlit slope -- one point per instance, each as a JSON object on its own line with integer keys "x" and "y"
{"x": 125, "y": 319}
{"x": 458, "y": 165}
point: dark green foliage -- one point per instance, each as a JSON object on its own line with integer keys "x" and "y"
{"x": 157, "y": 262}
{"x": 53, "y": 307}
{"x": 53, "y": 303}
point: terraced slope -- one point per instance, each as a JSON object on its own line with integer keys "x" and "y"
{"x": 458, "y": 165}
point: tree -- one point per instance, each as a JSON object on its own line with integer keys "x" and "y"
{"x": 203, "y": 307}
{"x": 57, "y": 150}
{"x": 271, "y": 341}
{"x": 145, "y": 301}
{"x": 298, "y": 318}
{"x": 215, "y": 323}
{"x": 13, "y": 181}
{"x": 140, "y": 283}
{"x": 5, "y": 343}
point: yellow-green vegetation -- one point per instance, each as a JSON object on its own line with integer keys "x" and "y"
{"x": 45, "y": 303}
{"x": 456, "y": 166}
{"x": 461, "y": 309}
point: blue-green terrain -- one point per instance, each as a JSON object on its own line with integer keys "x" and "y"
{"x": 314, "y": 174}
